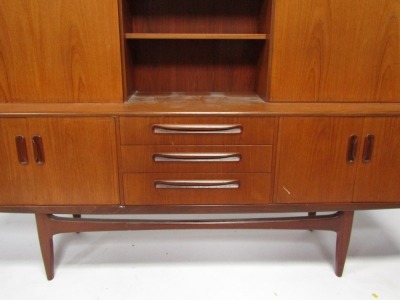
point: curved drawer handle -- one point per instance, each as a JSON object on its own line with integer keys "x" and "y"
{"x": 197, "y": 129}
{"x": 197, "y": 157}
{"x": 197, "y": 184}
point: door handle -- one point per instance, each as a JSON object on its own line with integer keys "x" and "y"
{"x": 352, "y": 149}
{"x": 38, "y": 149}
{"x": 22, "y": 152}
{"x": 368, "y": 148}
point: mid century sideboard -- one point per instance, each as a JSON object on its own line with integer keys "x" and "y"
{"x": 199, "y": 106}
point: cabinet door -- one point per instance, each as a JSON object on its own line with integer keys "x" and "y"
{"x": 339, "y": 51}
{"x": 312, "y": 160}
{"x": 75, "y": 162}
{"x": 17, "y": 184}
{"x": 60, "y": 51}
{"x": 378, "y": 173}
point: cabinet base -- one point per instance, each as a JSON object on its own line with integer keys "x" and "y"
{"x": 49, "y": 225}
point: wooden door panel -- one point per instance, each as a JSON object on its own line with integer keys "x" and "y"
{"x": 60, "y": 51}
{"x": 312, "y": 162}
{"x": 339, "y": 51}
{"x": 379, "y": 179}
{"x": 80, "y": 165}
{"x": 17, "y": 185}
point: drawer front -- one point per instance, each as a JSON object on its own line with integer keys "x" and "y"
{"x": 199, "y": 159}
{"x": 197, "y": 189}
{"x": 196, "y": 131}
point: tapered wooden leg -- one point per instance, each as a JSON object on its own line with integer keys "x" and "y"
{"x": 46, "y": 244}
{"x": 343, "y": 241}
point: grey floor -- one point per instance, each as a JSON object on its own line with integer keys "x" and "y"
{"x": 220, "y": 264}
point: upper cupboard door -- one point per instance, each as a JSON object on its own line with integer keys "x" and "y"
{"x": 336, "y": 50}
{"x": 60, "y": 51}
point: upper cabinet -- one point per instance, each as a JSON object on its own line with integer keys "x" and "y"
{"x": 60, "y": 51}
{"x": 336, "y": 51}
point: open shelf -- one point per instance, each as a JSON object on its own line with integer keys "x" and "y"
{"x": 196, "y": 46}
{"x": 196, "y": 16}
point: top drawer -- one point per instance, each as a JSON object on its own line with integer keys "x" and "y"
{"x": 197, "y": 130}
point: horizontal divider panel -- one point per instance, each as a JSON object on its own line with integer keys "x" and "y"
{"x": 196, "y": 188}
{"x": 197, "y": 131}
{"x": 197, "y": 36}
{"x": 204, "y": 159}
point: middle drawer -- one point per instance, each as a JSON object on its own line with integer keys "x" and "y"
{"x": 199, "y": 159}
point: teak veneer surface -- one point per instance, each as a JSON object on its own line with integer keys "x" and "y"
{"x": 60, "y": 51}
{"x": 336, "y": 51}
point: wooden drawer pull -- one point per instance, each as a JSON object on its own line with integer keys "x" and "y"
{"x": 352, "y": 149}
{"x": 197, "y": 184}
{"x": 197, "y": 157}
{"x": 38, "y": 149}
{"x": 196, "y": 129}
{"x": 368, "y": 148}
{"x": 21, "y": 150}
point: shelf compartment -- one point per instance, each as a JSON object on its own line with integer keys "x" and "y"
{"x": 197, "y": 16}
{"x": 196, "y": 66}
{"x": 197, "y": 36}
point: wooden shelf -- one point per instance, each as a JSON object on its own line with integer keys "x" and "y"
{"x": 196, "y": 36}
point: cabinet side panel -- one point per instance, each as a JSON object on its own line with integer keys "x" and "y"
{"x": 60, "y": 51}
{"x": 311, "y": 160}
{"x": 342, "y": 51}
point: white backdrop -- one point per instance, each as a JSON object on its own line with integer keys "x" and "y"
{"x": 198, "y": 264}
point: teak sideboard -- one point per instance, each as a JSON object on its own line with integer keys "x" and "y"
{"x": 199, "y": 107}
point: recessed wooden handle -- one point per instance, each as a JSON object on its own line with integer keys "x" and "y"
{"x": 197, "y": 184}
{"x": 197, "y": 129}
{"x": 38, "y": 149}
{"x": 368, "y": 148}
{"x": 21, "y": 150}
{"x": 352, "y": 149}
{"x": 197, "y": 157}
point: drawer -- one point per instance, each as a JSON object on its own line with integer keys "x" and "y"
{"x": 197, "y": 130}
{"x": 200, "y": 189}
{"x": 199, "y": 159}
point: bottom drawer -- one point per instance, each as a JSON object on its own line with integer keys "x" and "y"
{"x": 200, "y": 189}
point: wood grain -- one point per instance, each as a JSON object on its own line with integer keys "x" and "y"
{"x": 311, "y": 161}
{"x": 336, "y": 51}
{"x": 253, "y": 159}
{"x": 140, "y": 190}
{"x": 60, "y": 51}
{"x": 378, "y": 180}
